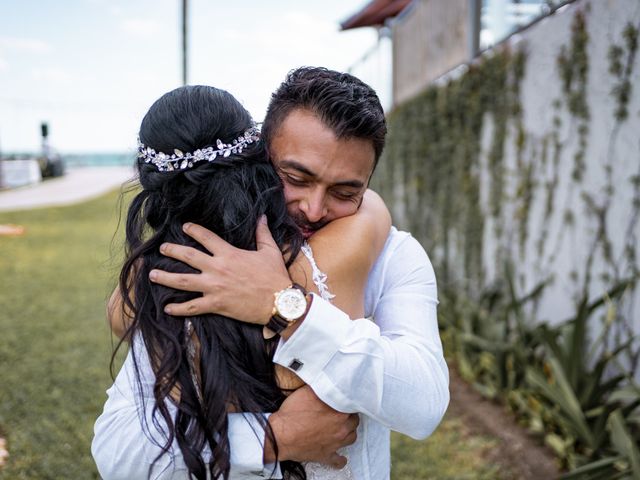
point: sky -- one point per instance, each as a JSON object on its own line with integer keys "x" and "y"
{"x": 92, "y": 68}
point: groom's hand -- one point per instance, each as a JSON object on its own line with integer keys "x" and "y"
{"x": 233, "y": 282}
{"x": 307, "y": 430}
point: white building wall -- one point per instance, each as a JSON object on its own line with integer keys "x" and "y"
{"x": 610, "y": 144}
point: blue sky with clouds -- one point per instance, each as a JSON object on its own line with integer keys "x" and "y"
{"x": 91, "y": 68}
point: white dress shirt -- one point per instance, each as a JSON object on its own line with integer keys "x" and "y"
{"x": 390, "y": 370}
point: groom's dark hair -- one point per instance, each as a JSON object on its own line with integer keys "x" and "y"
{"x": 344, "y": 103}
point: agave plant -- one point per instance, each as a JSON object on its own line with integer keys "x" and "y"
{"x": 579, "y": 387}
{"x": 622, "y": 458}
{"x": 562, "y": 384}
{"x": 492, "y": 342}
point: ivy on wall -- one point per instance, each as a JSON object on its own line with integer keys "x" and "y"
{"x": 435, "y": 187}
{"x": 460, "y": 166}
{"x": 447, "y": 191}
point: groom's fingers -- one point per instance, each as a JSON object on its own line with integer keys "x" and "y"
{"x": 189, "y": 282}
{"x": 337, "y": 461}
{"x": 209, "y": 240}
{"x": 264, "y": 239}
{"x": 197, "y": 306}
{"x": 350, "y": 438}
{"x": 353, "y": 421}
{"x": 189, "y": 255}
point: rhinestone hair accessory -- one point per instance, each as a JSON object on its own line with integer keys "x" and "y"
{"x": 181, "y": 161}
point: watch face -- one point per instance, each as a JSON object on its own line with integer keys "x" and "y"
{"x": 291, "y": 304}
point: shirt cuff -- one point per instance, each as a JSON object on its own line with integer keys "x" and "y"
{"x": 316, "y": 340}
{"x": 246, "y": 434}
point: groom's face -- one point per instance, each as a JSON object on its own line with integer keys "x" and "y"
{"x": 324, "y": 177}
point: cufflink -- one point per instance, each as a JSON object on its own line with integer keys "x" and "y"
{"x": 295, "y": 365}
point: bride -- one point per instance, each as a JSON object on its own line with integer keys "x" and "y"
{"x": 201, "y": 160}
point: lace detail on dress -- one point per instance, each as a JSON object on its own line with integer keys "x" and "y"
{"x": 319, "y": 277}
{"x": 319, "y": 471}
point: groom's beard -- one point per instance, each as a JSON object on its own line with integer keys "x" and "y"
{"x": 307, "y": 228}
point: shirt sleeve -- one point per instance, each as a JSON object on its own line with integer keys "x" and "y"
{"x": 127, "y": 441}
{"x": 391, "y": 369}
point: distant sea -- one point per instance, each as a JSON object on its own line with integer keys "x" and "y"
{"x": 73, "y": 160}
{"x": 98, "y": 159}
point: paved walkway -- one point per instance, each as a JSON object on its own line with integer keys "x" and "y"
{"x": 77, "y": 185}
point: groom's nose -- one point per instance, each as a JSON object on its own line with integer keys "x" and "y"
{"x": 314, "y": 205}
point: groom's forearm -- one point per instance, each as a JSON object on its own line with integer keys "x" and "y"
{"x": 307, "y": 429}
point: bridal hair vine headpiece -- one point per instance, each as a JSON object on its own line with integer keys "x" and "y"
{"x": 181, "y": 161}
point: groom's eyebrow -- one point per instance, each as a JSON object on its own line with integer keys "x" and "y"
{"x": 297, "y": 166}
{"x": 304, "y": 170}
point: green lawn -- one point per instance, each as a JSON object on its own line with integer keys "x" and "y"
{"x": 55, "y": 350}
{"x": 55, "y": 345}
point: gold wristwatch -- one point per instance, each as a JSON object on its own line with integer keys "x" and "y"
{"x": 290, "y": 304}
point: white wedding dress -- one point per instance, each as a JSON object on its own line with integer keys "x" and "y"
{"x": 319, "y": 471}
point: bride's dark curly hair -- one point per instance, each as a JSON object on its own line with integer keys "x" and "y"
{"x": 227, "y": 196}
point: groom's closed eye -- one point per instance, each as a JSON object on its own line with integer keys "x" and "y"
{"x": 296, "y": 180}
{"x": 345, "y": 195}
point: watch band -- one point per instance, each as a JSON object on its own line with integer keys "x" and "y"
{"x": 277, "y": 324}
{"x": 300, "y": 287}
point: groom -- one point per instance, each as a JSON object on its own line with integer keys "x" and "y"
{"x": 325, "y": 132}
